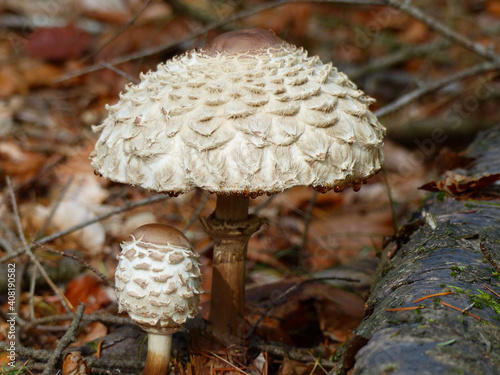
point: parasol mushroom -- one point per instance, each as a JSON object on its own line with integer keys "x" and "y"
{"x": 158, "y": 283}
{"x": 246, "y": 115}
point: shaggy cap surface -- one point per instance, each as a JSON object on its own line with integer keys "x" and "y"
{"x": 246, "y": 115}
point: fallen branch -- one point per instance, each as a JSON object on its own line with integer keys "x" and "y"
{"x": 68, "y": 338}
{"x": 433, "y": 24}
{"x": 165, "y": 47}
{"x": 420, "y": 92}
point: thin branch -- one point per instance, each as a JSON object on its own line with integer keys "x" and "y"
{"x": 396, "y": 58}
{"x": 263, "y": 204}
{"x": 32, "y": 293}
{"x": 107, "y": 319}
{"x": 60, "y": 197}
{"x": 52, "y": 237}
{"x": 120, "y": 72}
{"x": 297, "y": 355}
{"x": 281, "y": 298}
{"x": 68, "y": 338}
{"x": 125, "y": 207}
{"x": 79, "y": 260}
{"x": 196, "y": 213}
{"x": 243, "y": 14}
{"x": 307, "y": 221}
{"x": 418, "y": 93}
{"x": 120, "y": 31}
{"x": 44, "y": 355}
{"x": 433, "y": 24}
{"x": 64, "y": 301}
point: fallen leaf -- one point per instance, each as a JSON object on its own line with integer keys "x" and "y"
{"x": 57, "y": 43}
{"x": 87, "y": 289}
{"x": 460, "y": 186}
{"x": 74, "y": 364}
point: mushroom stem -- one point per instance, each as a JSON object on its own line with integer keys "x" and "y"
{"x": 228, "y": 279}
{"x": 231, "y": 208}
{"x": 158, "y": 359}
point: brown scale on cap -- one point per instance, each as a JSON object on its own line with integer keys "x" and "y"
{"x": 161, "y": 235}
{"x": 249, "y": 41}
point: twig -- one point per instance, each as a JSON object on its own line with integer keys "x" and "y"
{"x": 491, "y": 290}
{"x": 308, "y": 218}
{"x": 52, "y": 237}
{"x": 444, "y": 30}
{"x": 460, "y": 310}
{"x": 243, "y": 14}
{"x": 432, "y": 296}
{"x": 108, "y": 319}
{"x": 120, "y": 72}
{"x": 229, "y": 363}
{"x": 79, "y": 260}
{"x": 307, "y": 225}
{"x": 196, "y": 213}
{"x": 64, "y": 301}
{"x": 68, "y": 338}
{"x": 44, "y": 355}
{"x": 396, "y": 58}
{"x": 32, "y": 293}
{"x": 280, "y": 299}
{"x": 120, "y": 31}
{"x": 418, "y": 93}
{"x": 292, "y": 353}
{"x": 263, "y": 205}
{"x": 60, "y": 198}
{"x": 405, "y": 308}
{"x": 5, "y": 245}
{"x": 125, "y": 207}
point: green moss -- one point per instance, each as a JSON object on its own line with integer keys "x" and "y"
{"x": 12, "y": 370}
{"x": 441, "y": 196}
{"x": 480, "y": 300}
{"x": 487, "y": 300}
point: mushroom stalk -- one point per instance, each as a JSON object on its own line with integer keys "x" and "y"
{"x": 158, "y": 359}
{"x": 231, "y": 208}
{"x": 230, "y": 227}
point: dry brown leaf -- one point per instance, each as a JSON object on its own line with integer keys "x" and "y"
{"x": 290, "y": 367}
{"x": 12, "y": 81}
{"x": 93, "y": 331}
{"x": 57, "y": 43}
{"x": 74, "y": 364}
{"x": 303, "y": 318}
{"x": 460, "y": 186}
{"x": 18, "y": 164}
{"x": 87, "y": 289}
{"x": 493, "y": 7}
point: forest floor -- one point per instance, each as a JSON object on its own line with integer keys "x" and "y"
{"x": 434, "y": 75}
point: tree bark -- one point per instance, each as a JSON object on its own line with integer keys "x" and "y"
{"x": 450, "y": 246}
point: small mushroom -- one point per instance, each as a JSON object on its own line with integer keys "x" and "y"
{"x": 158, "y": 283}
{"x": 246, "y": 115}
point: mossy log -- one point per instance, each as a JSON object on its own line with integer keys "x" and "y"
{"x": 451, "y": 245}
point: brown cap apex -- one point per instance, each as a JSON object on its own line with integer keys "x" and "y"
{"x": 161, "y": 235}
{"x": 244, "y": 41}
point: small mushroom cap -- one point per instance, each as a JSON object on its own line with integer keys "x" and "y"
{"x": 248, "y": 41}
{"x": 246, "y": 115}
{"x": 158, "y": 278}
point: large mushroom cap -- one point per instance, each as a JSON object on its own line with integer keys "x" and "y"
{"x": 158, "y": 278}
{"x": 248, "y": 114}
